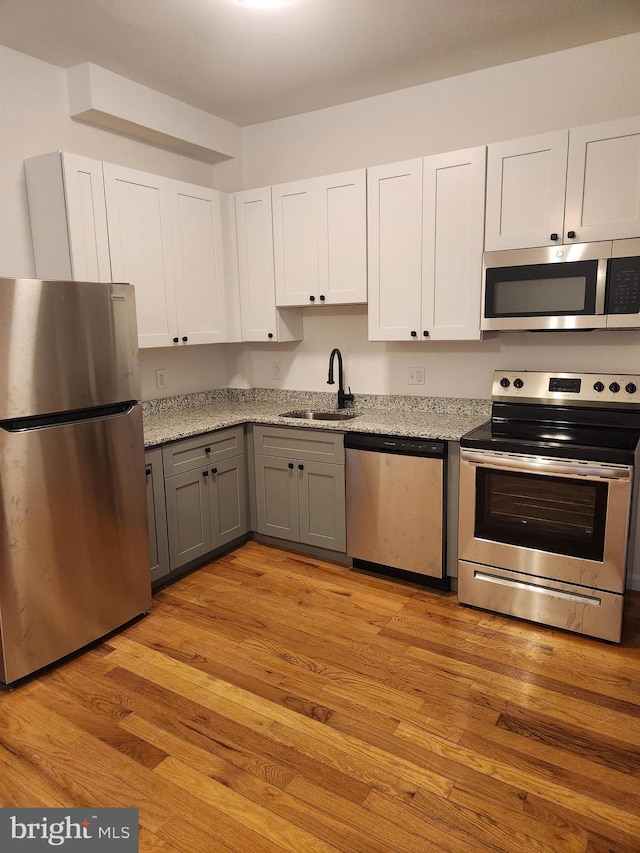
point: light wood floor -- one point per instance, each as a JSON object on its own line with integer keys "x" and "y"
{"x": 276, "y": 702}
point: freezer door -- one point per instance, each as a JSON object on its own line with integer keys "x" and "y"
{"x": 66, "y": 345}
{"x": 74, "y": 554}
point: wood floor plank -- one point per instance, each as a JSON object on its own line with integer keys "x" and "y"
{"x": 259, "y": 819}
{"x": 541, "y": 782}
{"x": 274, "y": 701}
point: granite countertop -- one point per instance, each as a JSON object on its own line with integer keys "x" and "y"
{"x": 444, "y": 418}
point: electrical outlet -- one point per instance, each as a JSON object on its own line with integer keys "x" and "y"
{"x": 276, "y": 370}
{"x": 161, "y": 378}
{"x": 416, "y": 376}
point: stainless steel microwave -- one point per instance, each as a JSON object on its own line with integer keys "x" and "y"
{"x": 579, "y": 286}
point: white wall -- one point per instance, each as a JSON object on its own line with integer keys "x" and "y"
{"x": 34, "y": 119}
{"x": 579, "y": 86}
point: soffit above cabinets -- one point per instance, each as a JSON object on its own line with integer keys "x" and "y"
{"x": 250, "y": 65}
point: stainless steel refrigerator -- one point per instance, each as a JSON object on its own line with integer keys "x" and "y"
{"x": 74, "y": 560}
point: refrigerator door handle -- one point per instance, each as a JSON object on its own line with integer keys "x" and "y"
{"x": 64, "y": 418}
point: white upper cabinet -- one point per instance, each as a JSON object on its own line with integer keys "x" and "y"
{"x": 580, "y": 185}
{"x": 426, "y": 221}
{"x": 295, "y": 242}
{"x": 260, "y": 319}
{"x": 452, "y": 238}
{"x": 525, "y": 191}
{"x": 319, "y": 239}
{"x": 68, "y": 217}
{"x": 394, "y": 200}
{"x": 201, "y": 302}
{"x": 342, "y": 237}
{"x": 138, "y": 214}
{"x": 603, "y": 181}
{"x": 166, "y": 239}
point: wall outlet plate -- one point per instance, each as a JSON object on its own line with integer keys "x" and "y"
{"x": 416, "y": 376}
{"x": 161, "y": 378}
{"x": 276, "y": 370}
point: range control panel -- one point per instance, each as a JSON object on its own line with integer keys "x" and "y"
{"x": 605, "y": 390}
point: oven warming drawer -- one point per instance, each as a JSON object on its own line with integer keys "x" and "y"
{"x": 561, "y": 605}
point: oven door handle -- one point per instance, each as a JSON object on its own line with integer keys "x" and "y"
{"x": 543, "y": 465}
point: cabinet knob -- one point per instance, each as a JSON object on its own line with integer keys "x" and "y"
{"x": 425, "y": 334}
{"x": 207, "y": 450}
{"x": 312, "y": 299}
{"x": 214, "y": 470}
{"x": 322, "y": 297}
{"x": 185, "y": 339}
{"x": 205, "y": 473}
{"x": 571, "y": 234}
{"x": 176, "y": 340}
{"x": 270, "y": 335}
{"x": 414, "y": 334}
{"x": 553, "y": 236}
{"x": 148, "y": 471}
{"x": 300, "y": 467}
{"x": 290, "y": 464}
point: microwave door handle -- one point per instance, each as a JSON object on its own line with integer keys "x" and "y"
{"x": 543, "y": 466}
{"x": 601, "y": 285}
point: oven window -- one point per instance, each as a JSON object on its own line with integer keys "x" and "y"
{"x": 554, "y": 514}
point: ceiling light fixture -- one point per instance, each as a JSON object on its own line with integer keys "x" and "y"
{"x": 264, "y": 4}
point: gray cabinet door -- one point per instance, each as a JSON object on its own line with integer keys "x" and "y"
{"x": 322, "y": 505}
{"x": 188, "y": 516}
{"x": 277, "y": 497}
{"x": 228, "y": 500}
{"x": 156, "y": 515}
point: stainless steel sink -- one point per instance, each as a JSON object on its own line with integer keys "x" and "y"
{"x": 339, "y": 415}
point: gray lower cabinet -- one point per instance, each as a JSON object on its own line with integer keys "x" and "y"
{"x": 206, "y": 503}
{"x": 156, "y": 515}
{"x": 300, "y": 488}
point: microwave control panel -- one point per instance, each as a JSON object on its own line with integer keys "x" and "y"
{"x": 623, "y": 286}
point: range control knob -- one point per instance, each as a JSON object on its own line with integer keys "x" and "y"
{"x": 630, "y": 388}
{"x": 598, "y": 386}
{"x": 518, "y": 383}
{"x": 614, "y": 387}
{"x": 504, "y": 382}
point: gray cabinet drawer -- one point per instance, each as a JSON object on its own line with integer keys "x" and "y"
{"x": 310, "y": 444}
{"x": 191, "y": 453}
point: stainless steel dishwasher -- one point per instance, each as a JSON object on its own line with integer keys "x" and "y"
{"x": 396, "y": 505}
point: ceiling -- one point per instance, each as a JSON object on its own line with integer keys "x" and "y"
{"x": 250, "y": 65}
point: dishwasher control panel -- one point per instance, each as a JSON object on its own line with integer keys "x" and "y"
{"x": 406, "y": 446}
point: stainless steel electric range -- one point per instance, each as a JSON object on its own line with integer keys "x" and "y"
{"x": 548, "y": 500}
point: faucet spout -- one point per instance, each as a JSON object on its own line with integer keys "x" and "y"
{"x": 342, "y": 397}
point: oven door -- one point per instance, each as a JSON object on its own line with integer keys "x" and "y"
{"x": 560, "y": 519}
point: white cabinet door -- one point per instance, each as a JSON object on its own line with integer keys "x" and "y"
{"x": 295, "y": 242}
{"x": 260, "y": 319}
{"x": 525, "y": 191}
{"x": 453, "y": 229}
{"x": 138, "y": 215}
{"x": 198, "y": 264}
{"x": 342, "y": 237}
{"x": 603, "y": 181}
{"x": 394, "y": 204}
{"x": 68, "y": 217}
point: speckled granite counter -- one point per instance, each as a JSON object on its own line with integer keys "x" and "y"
{"x": 443, "y": 418}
